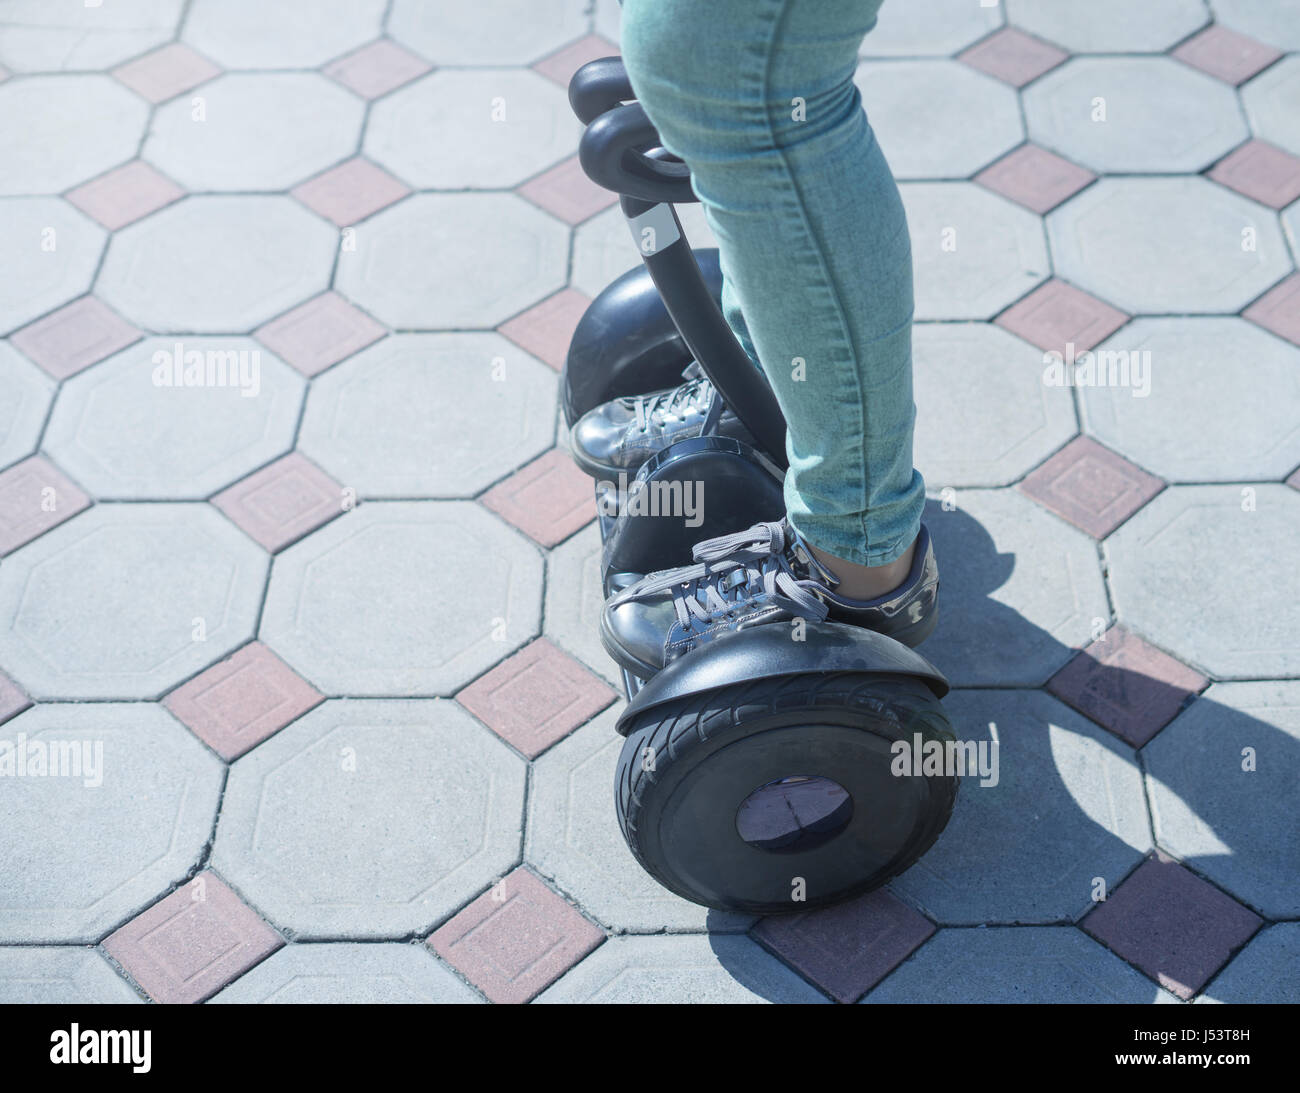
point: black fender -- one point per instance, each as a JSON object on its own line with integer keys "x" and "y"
{"x": 729, "y": 485}
{"x": 769, "y": 650}
{"x": 626, "y": 343}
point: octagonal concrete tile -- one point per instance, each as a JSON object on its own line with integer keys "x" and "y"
{"x": 125, "y": 601}
{"x": 973, "y": 252}
{"x": 346, "y": 973}
{"x": 939, "y": 119}
{"x": 1272, "y": 103}
{"x": 573, "y": 837}
{"x": 1223, "y": 791}
{"x": 39, "y": 36}
{"x": 403, "y": 598}
{"x": 87, "y": 849}
{"x": 261, "y": 131}
{"x": 923, "y": 28}
{"x": 1247, "y": 431}
{"x": 1160, "y": 115}
{"x": 984, "y": 416}
{"x": 490, "y": 32}
{"x": 1276, "y": 22}
{"x": 122, "y": 435}
{"x": 406, "y": 417}
{"x": 422, "y": 805}
{"x": 28, "y": 394}
{"x": 1067, "y": 808}
{"x": 286, "y": 34}
{"x": 495, "y": 255}
{"x": 62, "y": 130}
{"x": 1266, "y": 970}
{"x": 221, "y": 265}
{"x": 40, "y": 975}
{"x": 51, "y": 252}
{"x": 574, "y": 601}
{"x": 603, "y": 247}
{"x": 680, "y": 969}
{"x": 1021, "y": 589}
{"x": 1029, "y": 965}
{"x": 410, "y": 131}
{"x": 1166, "y": 570}
{"x": 1109, "y": 26}
{"x": 1167, "y": 245}
{"x": 608, "y": 19}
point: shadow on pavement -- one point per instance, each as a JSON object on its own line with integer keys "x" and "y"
{"x": 1069, "y": 812}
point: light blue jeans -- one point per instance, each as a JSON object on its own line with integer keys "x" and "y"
{"x": 757, "y": 97}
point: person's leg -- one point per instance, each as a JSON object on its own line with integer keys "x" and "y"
{"x": 757, "y": 97}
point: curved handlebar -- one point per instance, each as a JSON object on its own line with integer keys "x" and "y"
{"x": 598, "y": 86}
{"x": 617, "y": 151}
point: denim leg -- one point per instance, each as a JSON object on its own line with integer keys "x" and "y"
{"x": 757, "y": 97}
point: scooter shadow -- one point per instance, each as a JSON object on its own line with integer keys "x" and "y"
{"x": 1067, "y": 820}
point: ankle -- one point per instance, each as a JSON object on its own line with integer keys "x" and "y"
{"x": 867, "y": 582}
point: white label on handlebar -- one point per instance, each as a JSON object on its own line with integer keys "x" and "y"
{"x": 655, "y": 229}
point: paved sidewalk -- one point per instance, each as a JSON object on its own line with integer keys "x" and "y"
{"x": 294, "y": 566}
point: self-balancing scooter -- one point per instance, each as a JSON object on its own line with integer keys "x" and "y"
{"x": 772, "y": 769}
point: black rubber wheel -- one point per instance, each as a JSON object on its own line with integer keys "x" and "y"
{"x": 819, "y": 749}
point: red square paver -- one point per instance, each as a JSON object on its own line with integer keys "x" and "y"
{"x": 166, "y": 72}
{"x": 1126, "y": 685}
{"x": 536, "y": 697}
{"x": 125, "y": 194}
{"x": 1278, "y": 310}
{"x": 548, "y": 500}
{"x": 75, "y": 337}
{"x": 1226, "y": 54}
{"x": 1091, "y": 487}
{"x": 34, "y": 497}
{"x": 516, "y": 939}
{"x": 1262, "y": 172}
{"x": 849, "y": 948}
{"x": 566, "y": 191}
{"x": 563, "y": 63}
{"x": 1057, "y": 316}
{"x": 546, "y": 329}
{"x": 350, "y": 192}
{"x": 282, "y": 502}
{"x": 235, "y": 705}
{"x": 320, "y": 333}
{"x": 188, "y": 946}
{"x": 377, "y": 68}
{"x": 1013, "y": 56}
{"x": 1035, "y": 178}
{"x": 13, "y": 700}
{"x": 1177, "y": 928}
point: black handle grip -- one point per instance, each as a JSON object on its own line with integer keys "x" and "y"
{"x": 598, "y": 86}
{"x": 617, "y": 152}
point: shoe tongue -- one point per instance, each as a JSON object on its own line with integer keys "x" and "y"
{"x": 803, "y": 563}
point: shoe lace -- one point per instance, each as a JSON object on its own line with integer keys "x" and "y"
{"x": 665, "y": 406}
{"x": 732, "y": 569}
